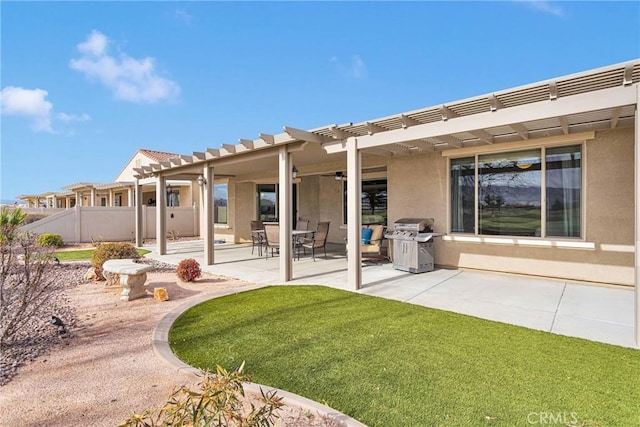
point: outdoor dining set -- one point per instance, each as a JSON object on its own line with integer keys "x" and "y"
{"x": 266, "y": 237}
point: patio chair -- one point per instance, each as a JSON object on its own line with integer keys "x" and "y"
{"x": 301, "y": 224}
{"x": 318, "y": 241}
{"x": 271, "y": 238}
{"x": 371, "y": 245}
{"x": 256, "y": 236}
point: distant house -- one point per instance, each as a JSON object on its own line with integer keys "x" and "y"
{"x": 107, "y": 209}
{"x": 116, "y": 193}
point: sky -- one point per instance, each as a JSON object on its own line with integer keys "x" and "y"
{"x": 84, "y": 85}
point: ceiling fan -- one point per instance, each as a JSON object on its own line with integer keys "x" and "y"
{"x": 338, "y": 176}
{"x": 342, "y": 176}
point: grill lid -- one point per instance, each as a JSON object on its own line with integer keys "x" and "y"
{"x": 413, "y": 224}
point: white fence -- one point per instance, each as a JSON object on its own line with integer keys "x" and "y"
{"x": 81, "y": 224}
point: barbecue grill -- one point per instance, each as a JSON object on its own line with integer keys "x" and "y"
{"x": 413, "y": 244}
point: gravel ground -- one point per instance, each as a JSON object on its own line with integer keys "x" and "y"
{"x": 39, "y": 335}
{"x": 104, "y": 367}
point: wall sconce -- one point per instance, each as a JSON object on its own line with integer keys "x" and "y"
{"x": 338, "y": 176}
{"x": 201, "y": 180}
{"x": 294, "y": 172}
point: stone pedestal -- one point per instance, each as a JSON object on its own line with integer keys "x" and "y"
{"x": 132, "y": 277}
{"x": 133, "y": 286}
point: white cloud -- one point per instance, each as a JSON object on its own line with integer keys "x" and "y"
{"x": 33, "y": 105}
{"x": 69, "y": 118}
{"x": 543, "y": 6}
{"x": 184, "y": 17}
{"x": 356, "y": 69}
{"x": 29, "y": 103}
{"x": 130, "y": 79}
{"x": 96, "y": 44}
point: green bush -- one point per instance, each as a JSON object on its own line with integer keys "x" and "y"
{"x": 50, "y": 240}
{"x": 218, "y": 403}
{"x": 188, "y": 270}
{"x": 107, "y": 251}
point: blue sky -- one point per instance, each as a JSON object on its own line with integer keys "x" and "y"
{"x": 85, "y": 84}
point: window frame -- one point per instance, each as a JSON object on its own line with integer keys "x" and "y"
{"x": 543, "y": 190}
{"x": 295, "y": 200}
{"x": 363, "y": 181}
{"x": 226, "y": 182}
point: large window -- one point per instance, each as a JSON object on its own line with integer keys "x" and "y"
{"x": 220, "y": 200}
{"x": 373, "y": 199}
{"x": 268, "y": 198}
{"x": 564, "y": 190}
{"x": 267, "y": 202}
{"x": 510, "y": 189}
{"x": 463, "y": 191}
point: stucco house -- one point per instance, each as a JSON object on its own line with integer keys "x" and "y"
{"x": 540, "y": 179}
{"x": 537, "y": 179}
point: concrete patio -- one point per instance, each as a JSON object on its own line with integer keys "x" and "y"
{"x": 594, "y": 312}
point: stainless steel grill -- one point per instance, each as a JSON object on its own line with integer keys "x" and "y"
{"x": 413, "y": 244}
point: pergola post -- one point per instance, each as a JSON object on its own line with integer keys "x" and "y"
{"x": 637, "y": 218}
{"x": 354, "y": 213}
{"x": 138, "y": 193}
{"x": 161, "y": 215}
{"x": 208, "y": 223}
{"x": 284, "y": 214}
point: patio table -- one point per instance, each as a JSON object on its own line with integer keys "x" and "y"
{"x": 296, "y": 234}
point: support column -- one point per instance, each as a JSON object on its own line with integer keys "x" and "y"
{"x": 354, "y": 214}
{"x": 130, "y": 195}
{"x": 637, "y": 206}
{"x": 138, "y": 192}
{"x": 161, "y": 215}
{"x": 68, "y": 202}
{"x": 111, "y": 202}
{"x": 207, "y": 224}
{"x": 93, "y": 197}
{"x": 78, "y": 223}
{"x": 284, "y": 214}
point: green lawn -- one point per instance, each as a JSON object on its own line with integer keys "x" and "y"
{"x": 84, "y": 254}
{"x": 388, "y": 363}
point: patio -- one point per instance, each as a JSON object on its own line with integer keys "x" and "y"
{"x": 594, "y": 312}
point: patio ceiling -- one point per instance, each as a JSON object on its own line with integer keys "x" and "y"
{"x": 593, "y": 100}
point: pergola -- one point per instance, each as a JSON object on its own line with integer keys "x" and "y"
{"x": 569, "y": 108}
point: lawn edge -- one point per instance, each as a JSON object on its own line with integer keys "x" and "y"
{"x": 160, "y": 344}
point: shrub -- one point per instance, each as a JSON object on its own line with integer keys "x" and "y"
{"x": 216, "y": 404}
{"x": 10, "y": 220}
{"x": 188, "y": 270}
{"x": 50, "y": 240}
{"x": 107, "y": 251}
{"x": 25, "y": 286}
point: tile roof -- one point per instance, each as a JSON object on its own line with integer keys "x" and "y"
{"x": 158, "y": 156}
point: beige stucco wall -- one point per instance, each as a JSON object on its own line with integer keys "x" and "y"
{"x": 320, "y": 200}
{"x": 609, "y": 216}
{"x": 309, "y": 199}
